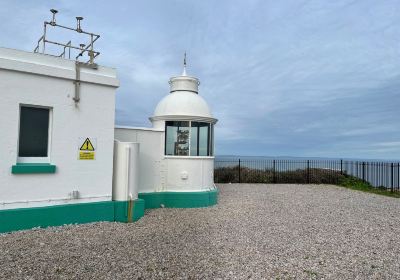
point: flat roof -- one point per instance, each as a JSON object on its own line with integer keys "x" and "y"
{"x": 53, "y": 66}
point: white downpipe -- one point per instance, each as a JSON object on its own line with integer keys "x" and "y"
{"x": 134, "y": 170}
{"x": 126, "y": 171}
{"x": 127, "y": 164}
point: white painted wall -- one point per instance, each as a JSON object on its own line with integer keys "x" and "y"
{"x": 166, "y": 173}
{"x": 36, "y": 79}
{"x": 150, "y": 156}
{"x": 189, "y": 173}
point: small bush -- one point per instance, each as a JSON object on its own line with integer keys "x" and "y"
{"x": 299, "y": 176}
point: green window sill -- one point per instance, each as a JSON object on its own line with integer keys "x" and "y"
{"x": 31, "y": 168}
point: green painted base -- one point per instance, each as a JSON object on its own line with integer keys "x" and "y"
{"x": 119, "y": 211}
{"x": 179, "y": 199}
{"x": 80, "y": 213}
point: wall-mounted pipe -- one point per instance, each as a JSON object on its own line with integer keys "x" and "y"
{"x": 130, "y": 209}
{"x": 126, "y": 171}
{"x": 77, "y": 82}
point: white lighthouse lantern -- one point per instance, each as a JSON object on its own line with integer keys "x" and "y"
{"x": 188, "y": 124}
{"x": 176, "y": 160}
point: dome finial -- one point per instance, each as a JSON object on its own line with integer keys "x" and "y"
{"x": 184, "y": 65}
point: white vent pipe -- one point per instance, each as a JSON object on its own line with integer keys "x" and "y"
{"x": 126, "y": 171}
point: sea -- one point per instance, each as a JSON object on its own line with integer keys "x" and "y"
{"x": 261, "y": 158}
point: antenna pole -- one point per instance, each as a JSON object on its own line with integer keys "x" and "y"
{"x": 184, "y": 65}
{"x": 53, "y": 21}
{"x": 44, "y": 38}
{"x": 91, "y": 55}
{"x": 78, "y": 24}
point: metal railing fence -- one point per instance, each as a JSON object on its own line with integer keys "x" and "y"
{"x": 378, "y": 174}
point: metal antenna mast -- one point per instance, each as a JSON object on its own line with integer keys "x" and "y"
{"x": 82, "y": 49}
{"x": 184, "y": 65}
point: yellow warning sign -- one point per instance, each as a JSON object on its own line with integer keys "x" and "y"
{"x": 87, "y": 145}
{"x": 86, "y": 155}
{"x": 87, "y": 149}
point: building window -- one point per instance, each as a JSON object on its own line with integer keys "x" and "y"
{"x": 177, "y": 138}
{"x": 183, "y": 138}
{"x": 33, "y": 132}
{"x": 200, "y": 139}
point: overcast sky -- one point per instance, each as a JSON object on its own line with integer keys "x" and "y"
{"x": 284, "y": 78}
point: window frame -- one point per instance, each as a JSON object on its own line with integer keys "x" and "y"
{"x": 198, "y": 138}
{"x": 210, "y": 140}
{"x": 35, "y": 159}
{"x": 165, "y": 140}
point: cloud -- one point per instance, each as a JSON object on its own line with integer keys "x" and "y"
{"x": 298, "y": 78}
{"x": 395, "y": 144}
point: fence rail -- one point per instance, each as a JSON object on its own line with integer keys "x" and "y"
{"x": 378, "y": 174}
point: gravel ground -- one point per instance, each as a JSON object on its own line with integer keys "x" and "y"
{"x": 256, "y": 232}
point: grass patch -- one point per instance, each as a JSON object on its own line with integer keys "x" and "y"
{"x": 354, "y": 183}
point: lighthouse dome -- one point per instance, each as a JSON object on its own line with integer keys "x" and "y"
{"x": 183, "y": 102}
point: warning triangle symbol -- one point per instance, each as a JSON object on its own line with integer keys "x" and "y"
{"x": 87, "y": 145}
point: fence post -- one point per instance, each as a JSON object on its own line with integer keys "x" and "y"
{"x": 308, "y": 171}
{"x": 341, "y": 167}
{"x": 363, "y": 170}
{"x": 239, "y": 171}
{"x": 274, "y": 173}
{"x": 358, "y": 176}
{"x": 392, "y": 177}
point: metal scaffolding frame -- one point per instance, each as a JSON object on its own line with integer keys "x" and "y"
{"x": 83, "y": 48}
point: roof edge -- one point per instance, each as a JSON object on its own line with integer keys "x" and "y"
{"x": 183, "y": 118}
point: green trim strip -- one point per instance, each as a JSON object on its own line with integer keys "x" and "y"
{"x": 26, "y": 218}
{"x": 30, "y": 168}
{"x": 79, "y": 213}
{"x": 180, "y": 199}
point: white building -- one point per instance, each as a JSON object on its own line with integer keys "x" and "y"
{"x": 176, "y": 158}
{"x": 57, "y": 146}
{"x": 42, "y": 131}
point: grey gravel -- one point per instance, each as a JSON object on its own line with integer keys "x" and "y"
{"x": 255, "y": 232}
